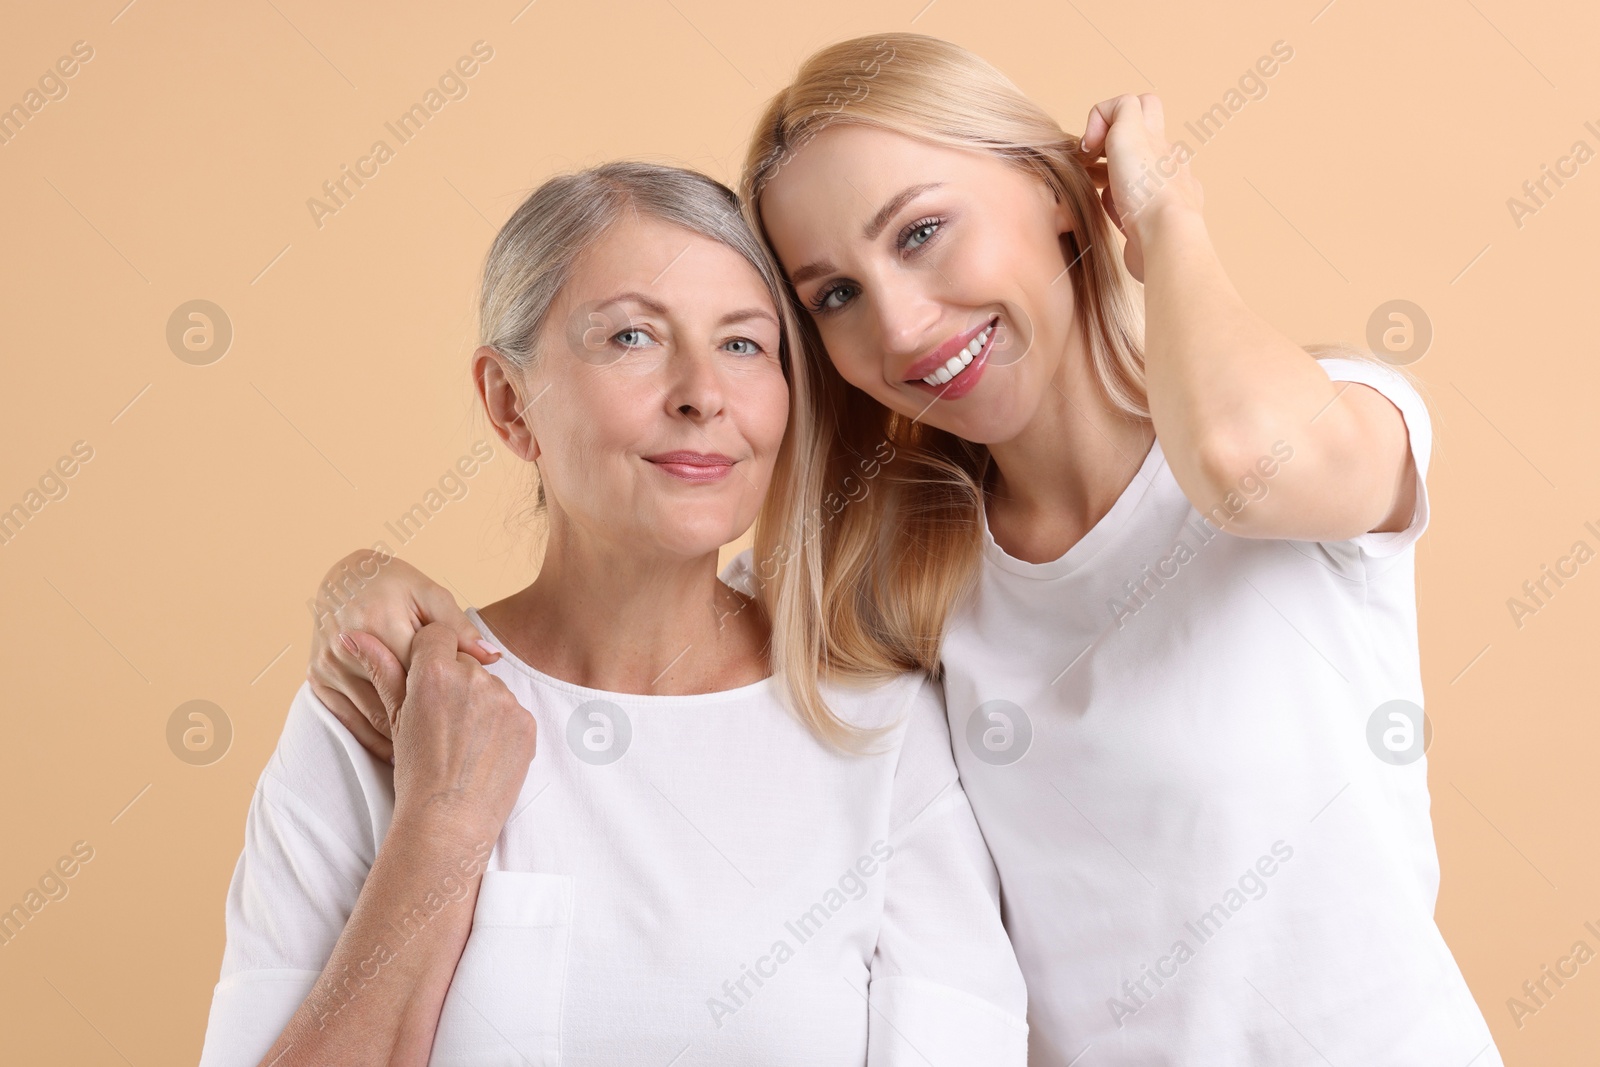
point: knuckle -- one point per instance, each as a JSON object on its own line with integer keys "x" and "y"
{"x": 359, "y": 558}
{"x": 434, "y": 672}
{"x": 325, "y": 665}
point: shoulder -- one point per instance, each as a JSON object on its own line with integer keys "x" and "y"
{"x": 917, "y": 739}
{"x": 900, "y": 701}
{"x": 1395, "y": 386}
{"x": 313, "y": 735}
{"x": 321, "y": 771}
{"x": 1389, "y": 384}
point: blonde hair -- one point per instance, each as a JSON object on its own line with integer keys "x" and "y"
{"x": 868, "y": 590}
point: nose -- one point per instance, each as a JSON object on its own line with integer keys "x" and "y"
{"x": 693, "y": 387}
{"x": 905, "y": 312}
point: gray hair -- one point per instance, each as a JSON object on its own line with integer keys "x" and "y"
{"x": 537, "y": 250}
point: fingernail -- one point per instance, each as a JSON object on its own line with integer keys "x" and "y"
{"x": 349, "y": 644}
{"x": 487, "y": 647}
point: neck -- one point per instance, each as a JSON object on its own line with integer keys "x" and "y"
{"x": 1064, "y": 471}
{"x": 630, "y": 622}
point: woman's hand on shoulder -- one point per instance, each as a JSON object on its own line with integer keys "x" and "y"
{"x": 463, "y": 744}
{"x": 390, "y": 600}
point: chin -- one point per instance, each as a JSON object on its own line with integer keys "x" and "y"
{"x": 985, "y": 434}
{"x": 696, "y": 539}
{"x": 996, "y": 422}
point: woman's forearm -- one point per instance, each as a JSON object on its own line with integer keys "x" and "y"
{"x": 378, "y": 999}
{"x": 1226, "y": 388}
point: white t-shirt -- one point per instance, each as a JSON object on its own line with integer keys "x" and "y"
{"x": 1177, "y": 772}
{"x": 1202, "y": 811}
{"x": 684, "y": 879}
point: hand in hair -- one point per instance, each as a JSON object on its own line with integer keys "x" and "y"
{"x": 1143, "y": 174}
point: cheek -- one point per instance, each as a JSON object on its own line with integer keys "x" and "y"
{"x": 589, "y": 419}
{"x": 855, "y": 358}
{"x": 767, "y": 419}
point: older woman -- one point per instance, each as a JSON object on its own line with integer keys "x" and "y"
{"x": 1161, "y": 557}
{"x": 709, "y": 860}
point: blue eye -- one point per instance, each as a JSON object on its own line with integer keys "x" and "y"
{"x": 921, "y": 233}
{"x": 641, "y": 338}
{"x": 825, "y": 300}
{"x": 913, "y": 239}
{"x": 750, "y": 347}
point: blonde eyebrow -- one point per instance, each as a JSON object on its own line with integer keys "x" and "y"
{"x": 870, "y": 231}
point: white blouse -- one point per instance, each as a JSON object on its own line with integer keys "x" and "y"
{"x": 684, "y": 880}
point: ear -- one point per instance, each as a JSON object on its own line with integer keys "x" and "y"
{"x": 501, "y": 385}
{"x": 1061, "y": 215}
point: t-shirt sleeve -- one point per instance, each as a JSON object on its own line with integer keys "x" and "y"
{"x": 945, "y": 984}
{"x": 1419, "y": 433}
{"x": 318, "y": 812}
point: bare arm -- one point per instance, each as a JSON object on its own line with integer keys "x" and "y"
{"x": 1224, "y": 385}
{"x": 378, "y": 1000}
{"x": 463, "y": 747}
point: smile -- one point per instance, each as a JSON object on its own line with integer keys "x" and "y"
{"x": 692, "y": 466}
{"x": 960, "y": 360}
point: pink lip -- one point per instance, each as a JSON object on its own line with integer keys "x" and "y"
{"x": 693, "y": 466}
{"x": 967, "y": 380}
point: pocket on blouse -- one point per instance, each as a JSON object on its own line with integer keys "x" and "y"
{"x": 504, "y": 1005}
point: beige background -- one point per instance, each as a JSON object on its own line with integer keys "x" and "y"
{"x": 178, "y": 566}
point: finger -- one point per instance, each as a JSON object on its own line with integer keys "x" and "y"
{"x": 364, "y": 695}
{"x": 438, "y": 605}
{"x": 1091, "y": 144}
{"x": 1097, "y": 125}
{"x": 381, "y": 602}
{"x": 334, "y": 669}
{"x": 395, "y": 627}
{"x": 434, "y": 642}
{"x": 356, "y": 721}
{"x": 1154, "y": 117}
{"x": 470, "y": 660}
{"x": 476, "y": 647}
{"x": 1102, "y": 117}
{"x": 387, "y": 676}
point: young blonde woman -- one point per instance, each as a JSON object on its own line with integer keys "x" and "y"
{"x": 1162, "y": 556}
{"x": 684, "y": 873}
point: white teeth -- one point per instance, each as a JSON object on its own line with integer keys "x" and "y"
{"x": 960, "y": 360}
